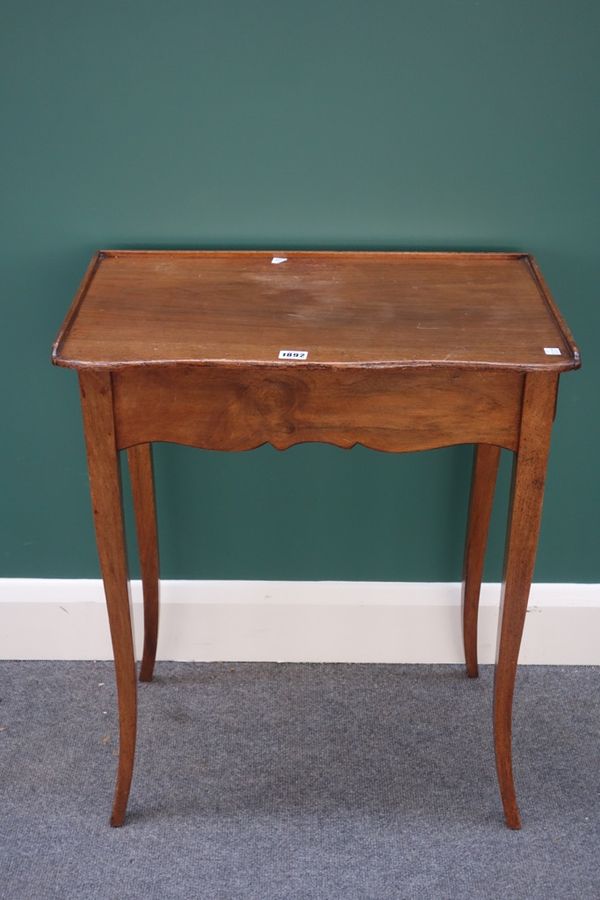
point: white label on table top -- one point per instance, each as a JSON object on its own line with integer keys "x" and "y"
{"x": 293, "y": 354}
{"x": 552, "y": 351}
{"x": 278, "y": 259}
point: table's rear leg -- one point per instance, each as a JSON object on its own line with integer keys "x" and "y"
{"x": 529, "y": 469}
{"x": 483, "y": 483}
{"x": 105, "y": 486}
{"x": 142, "y": 488}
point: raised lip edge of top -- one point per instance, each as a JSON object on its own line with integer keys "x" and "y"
{"x": 554, "y": 364}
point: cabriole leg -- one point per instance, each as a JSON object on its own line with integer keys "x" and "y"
{"x": 105, "y": 486}
{"x": 142, "y": 487}
{"x": 483, "y": 484}
{"x": 529, "y": 470}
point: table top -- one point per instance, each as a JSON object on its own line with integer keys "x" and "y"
{"x": 367, "y": 309}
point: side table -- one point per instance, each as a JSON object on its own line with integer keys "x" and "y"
{"x": 395, "y": 351}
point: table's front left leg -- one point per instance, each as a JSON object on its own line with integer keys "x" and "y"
{"x": 139, "y": 458}
{"x": 529, "y": 470}
{"x": 105, "y": 486}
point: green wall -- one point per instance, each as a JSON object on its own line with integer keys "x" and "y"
{"x": 434, "y": 124}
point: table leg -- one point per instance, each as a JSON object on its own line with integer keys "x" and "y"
{"x": 529, "y": 470}
{"x": 105, "y": 486}
{"x": 483, "y": 484}
{"x": 142, "y": 487}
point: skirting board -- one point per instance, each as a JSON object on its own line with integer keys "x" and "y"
{"x": 297, "y": 621}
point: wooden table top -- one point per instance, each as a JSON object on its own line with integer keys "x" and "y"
{"x": 475, "y": 310}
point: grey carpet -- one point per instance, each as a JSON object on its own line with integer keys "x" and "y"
{"x": 259, "y": 781}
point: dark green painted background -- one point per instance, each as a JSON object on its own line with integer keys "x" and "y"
{"x": 463, "y": 125}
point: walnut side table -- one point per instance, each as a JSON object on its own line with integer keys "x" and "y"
{"x": 395, "y": 351}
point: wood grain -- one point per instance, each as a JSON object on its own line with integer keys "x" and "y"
{"x": 221, "y": 409}
{"x": 483, "y": 483}
{"x": 477, "y": 310}
{"x": 529, "y": 471}
{"x": 142, "y": 488}
{"x": 105, "y": 486}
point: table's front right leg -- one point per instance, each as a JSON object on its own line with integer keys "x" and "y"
{"x": 529, "y": 471}
{"x": 105, "y": 486}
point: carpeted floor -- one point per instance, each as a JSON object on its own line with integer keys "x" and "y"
{"x": 260, "y": 781}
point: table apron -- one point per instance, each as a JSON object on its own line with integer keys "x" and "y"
{"x": 239, "y": 408}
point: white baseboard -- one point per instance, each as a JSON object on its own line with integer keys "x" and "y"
{"x": 297, "y": 621}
